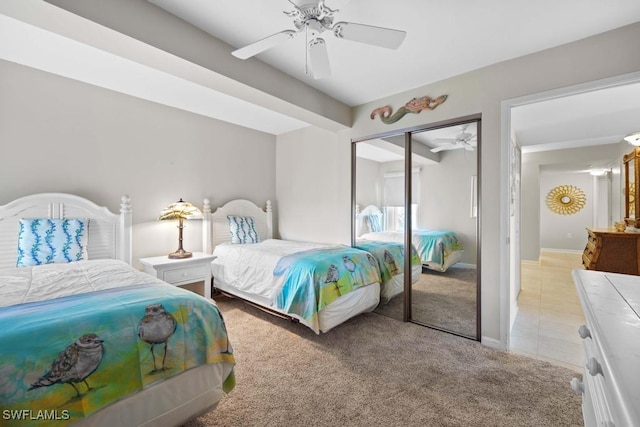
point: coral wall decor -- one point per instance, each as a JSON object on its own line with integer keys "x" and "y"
{"x": 566, "y": 200}
{"x": 414, "y": 106}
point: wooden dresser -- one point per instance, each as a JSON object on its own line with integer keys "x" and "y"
{"x": 613, "y": 251}
{"x": 611, "y": 344}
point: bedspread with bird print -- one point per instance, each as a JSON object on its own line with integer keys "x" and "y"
{"x": 65, "y": 358}
{"x": 435, "y": 245}
{"x": 315, "y": 278}
{"x": 389, "y": 255}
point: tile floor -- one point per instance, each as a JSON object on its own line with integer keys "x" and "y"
{"x": 549, "y": 311}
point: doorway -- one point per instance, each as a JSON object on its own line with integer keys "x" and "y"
{"x": 519, "y": 217}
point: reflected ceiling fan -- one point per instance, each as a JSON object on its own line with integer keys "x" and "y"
{"x": 464, "y": 140}
{"x": 313, "y": 18}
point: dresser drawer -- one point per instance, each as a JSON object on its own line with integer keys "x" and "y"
{"x": 596, "y": 407}
{"x": 186, "y": 274}
{"x": 588, "y": 256}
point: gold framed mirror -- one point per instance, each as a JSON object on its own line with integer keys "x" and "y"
{"x": 566, "y": 200}
{"x": 631, "y": 163}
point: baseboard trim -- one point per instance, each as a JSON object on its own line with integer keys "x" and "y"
{"x": 493, "y": 343}
{"x": 562, "y": 251}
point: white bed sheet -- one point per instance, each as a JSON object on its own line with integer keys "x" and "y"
{"x": 395, "y": 285}
{"x": 249, "y": 267}
{"x": 31, "y": 284}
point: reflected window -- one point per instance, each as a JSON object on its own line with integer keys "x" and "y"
{"x": 394, "y": 217}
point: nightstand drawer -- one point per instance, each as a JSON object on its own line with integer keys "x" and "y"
{"x": 186, "y": 274}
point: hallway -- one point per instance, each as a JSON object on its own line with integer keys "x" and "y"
{"x": 549, "y": 311}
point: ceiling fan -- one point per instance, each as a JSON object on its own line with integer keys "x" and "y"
{"x": 463, "y": 139}
{"x": 314, "y": 18}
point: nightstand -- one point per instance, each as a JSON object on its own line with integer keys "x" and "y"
{"x": 181, "y": 271}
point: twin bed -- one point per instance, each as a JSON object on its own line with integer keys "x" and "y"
{"x": 321, "y": 286}
{"x": 94, "y": 341}
{"x": 438, "y": 249}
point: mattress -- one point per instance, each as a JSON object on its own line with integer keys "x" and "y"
{"x": 390, "y": 258}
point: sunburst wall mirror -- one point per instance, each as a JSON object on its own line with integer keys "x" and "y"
{"x": 566, "y": 200}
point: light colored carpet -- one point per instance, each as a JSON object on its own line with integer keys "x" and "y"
{"x": 446, "y": 300}
{"x": 377, "y": 371}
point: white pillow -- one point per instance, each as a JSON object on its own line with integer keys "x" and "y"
{"x": 242, "y": 229}
{"x": 46, "y": 241}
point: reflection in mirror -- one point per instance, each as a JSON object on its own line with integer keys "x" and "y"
{"x": 442, "y": 290}
{"x": 379, "y": 197}
{"x": 444, "y": 199}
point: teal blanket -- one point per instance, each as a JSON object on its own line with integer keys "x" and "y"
{"x": 389, "y": 255}
{"x": 63, "y": 359}
{"x": 315, "y": 278}
{"x": 428, "y": 243}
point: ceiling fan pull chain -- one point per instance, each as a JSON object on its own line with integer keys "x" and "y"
{"x": 306, "y": 49}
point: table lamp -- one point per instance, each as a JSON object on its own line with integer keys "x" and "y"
{"x": 180, "y": 210}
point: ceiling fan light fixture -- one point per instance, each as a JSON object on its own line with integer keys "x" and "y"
{"x": 314, "y": 18}
{"x": 633, "y": 139}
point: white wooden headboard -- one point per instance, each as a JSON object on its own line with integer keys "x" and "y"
{"x": 109, "y": 233}
{"x": 369, "y": 210}
{"x": 215, "y": 227}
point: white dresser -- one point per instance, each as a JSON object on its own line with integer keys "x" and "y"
{"x": 610, "y": 385}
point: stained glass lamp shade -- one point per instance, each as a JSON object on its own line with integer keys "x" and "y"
{"x": 180, "y": 210}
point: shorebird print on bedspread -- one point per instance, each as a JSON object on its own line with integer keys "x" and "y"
{"x": 389, "y": 256}
{"x": 315, "y": 278}
{"x": 74, "y": 364}
{"x": 72, "y": 356}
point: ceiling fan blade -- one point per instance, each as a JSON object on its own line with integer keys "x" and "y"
{"x": 379, "y": 36}
{"x": 319, "y": 59}
{"x": 442, "y": 148}
{"x": 264, "y": 44}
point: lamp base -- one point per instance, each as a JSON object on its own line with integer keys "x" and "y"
{"x": 180, "y": 253}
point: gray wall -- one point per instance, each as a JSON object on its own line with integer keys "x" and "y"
{"x": 445, "y": 198}
{"x": 60, "y": 135}
{"x": 565, "y": 232}
{"x": 313, "y": 176}
{"x": 532, "y": 163}
{"x": 369, "y": 182}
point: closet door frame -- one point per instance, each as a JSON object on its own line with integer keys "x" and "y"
{"x": 407, "y": 132}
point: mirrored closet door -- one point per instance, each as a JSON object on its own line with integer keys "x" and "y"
{"x": 420, "y": 188}
{"x": 445, "y": 227}
{"x": 378, "y": 213}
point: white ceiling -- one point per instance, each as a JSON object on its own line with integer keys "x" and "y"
{"x": 596, "y": 117}
{"x": 444, "y": 38}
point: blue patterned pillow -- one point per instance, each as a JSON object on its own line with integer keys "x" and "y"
{"x": 243, "y": 229}
{"x": 375, "y": 223}
{"x": 45, "y": 241}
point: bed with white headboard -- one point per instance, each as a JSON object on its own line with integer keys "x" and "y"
{"x": 438, "y": 249}
{"x": 254, "y": 271}
{"x": 89, "y": 359}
